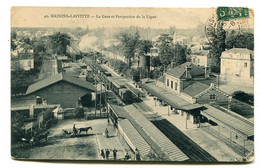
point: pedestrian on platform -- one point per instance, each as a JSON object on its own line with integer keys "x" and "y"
{"x": 102, "y": 154}
{"x": 108, "y": 122}
{"x": 114, "y": 154}
{"x": 127, "y": 156}
{"x": 107, "y": 154}
{"x": 137, "y": 155}
{"x": 106, "y": 133}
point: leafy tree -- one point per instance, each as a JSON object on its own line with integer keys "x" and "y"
{"x": 79, "y": 112}
{"x": 17, "y": 122}
{"x": 155, "y": 62}
{"x": 165, "y": 51}
{"x": 13, "y": 45}
{"x": 129, "y": 42}
{"x": 26, "y": 40}
{"x": 59, "y": 42}
{"x": 179, "y": 54}
{"x": 245, "y": 40}
{"x": 171, "y": 53}
{"x": 144, "y": 46}
{"x": 218, "y": 44}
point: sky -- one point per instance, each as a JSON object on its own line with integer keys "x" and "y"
{"x": 181, "y": 18}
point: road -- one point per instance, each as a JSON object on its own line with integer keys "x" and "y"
{"x": 49, "y": 68}
{"x": 84, "y": 147}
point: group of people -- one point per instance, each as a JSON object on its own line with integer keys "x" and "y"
{"x": 105, "y": 154}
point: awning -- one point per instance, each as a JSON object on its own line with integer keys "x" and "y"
{"x": 171, "y": 99}
{"x": 235, "y": 123}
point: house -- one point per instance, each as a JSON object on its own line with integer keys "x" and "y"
{"x": 237, "y": 65}
{"x": 63, "y": 89}
{"x": 22, "y": 57}
{"x": 193, "y": 83}
{"x": 154, "y": 52}
{"x": 202, "y": 58}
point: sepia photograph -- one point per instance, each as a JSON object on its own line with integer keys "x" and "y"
{"x": 121, "y": 84}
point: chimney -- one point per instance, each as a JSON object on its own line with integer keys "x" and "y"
{"x": 188, "y": 71}
{"x": 206, "y": 71}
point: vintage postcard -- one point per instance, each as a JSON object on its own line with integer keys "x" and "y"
{"x": 132, "y": 84}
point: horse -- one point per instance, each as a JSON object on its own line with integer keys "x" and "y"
{"x": 84, "y": 129}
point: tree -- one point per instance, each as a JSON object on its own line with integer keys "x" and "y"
{"x": 79, "y": 112}
{"x": 144, "y": 46}
{"x": 165, "y": 51}
{"x": 155, "y": 62}
{"x": 180, "y": 54}
{"x": 245, "y": 40}
{"x": 129, "y": 42}
{"x": 218, "y": 44}
{"x": 59, "y": 42}
{"x": 169, "y": 53}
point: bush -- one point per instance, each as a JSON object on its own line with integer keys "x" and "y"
{"x": 79, "y": 112}
{"x": 215, "y": 69}
{"x": 155, "y": 74}
{"x": 244, "y": 97}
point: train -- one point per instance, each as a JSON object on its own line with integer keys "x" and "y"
{"x": 113, "y": 83}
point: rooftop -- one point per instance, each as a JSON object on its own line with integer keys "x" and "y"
{"x": 239, "y": 50}
{"x": 180, "y": 70}
{"x": 195, "y": 88}
{"x": 59, "y": 77}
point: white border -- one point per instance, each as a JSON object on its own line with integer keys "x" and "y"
{"x": 5, "y": 67}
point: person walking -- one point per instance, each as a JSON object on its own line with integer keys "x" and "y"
{"x": 106, "y": 133}
{"x": 107, "y": 154}
{"x": 108, "y": 122}
{"x": 114, "y": 154}
{"x": 137, "y": 155}
{"x": 74, "y": 129}
{"x": 102, "y": 154}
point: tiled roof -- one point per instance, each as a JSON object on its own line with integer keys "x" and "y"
{"x": 170, "y": 98}
{"x": 181, "y": 69}
{"x": 161, "y": 79}
{"x": 59, "y": 77}
{"x": 239, "y": 50}
{"x": 195, "y": 88}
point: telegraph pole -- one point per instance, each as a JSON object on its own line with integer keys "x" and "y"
{"x": 100, "y": 97}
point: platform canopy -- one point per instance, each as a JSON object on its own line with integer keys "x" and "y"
{"x": 234, "y": 122}
{"x": 168, "y": 97}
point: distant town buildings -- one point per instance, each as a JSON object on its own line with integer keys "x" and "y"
{"x": 22, "y": 57}
{"x": 237, "y": 65}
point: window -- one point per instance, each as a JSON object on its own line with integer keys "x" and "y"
{"x": 245, "y": 65}
{"x": 198, "y": 60}
{"x": 176, "y": 85}
{"x": 212, "y": 97}
{"x": 172, "y": 84}
{"x": 193, "y": 60}
{"x": 167, "y": 82}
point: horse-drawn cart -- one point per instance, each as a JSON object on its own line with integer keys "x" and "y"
{"x": 76, "y": 132}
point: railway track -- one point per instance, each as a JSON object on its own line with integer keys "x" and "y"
{"x": 182, "y": 141}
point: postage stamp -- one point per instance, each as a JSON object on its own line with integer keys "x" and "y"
{"x": 234, "y": 21}
{"x": 229, "y": 13}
